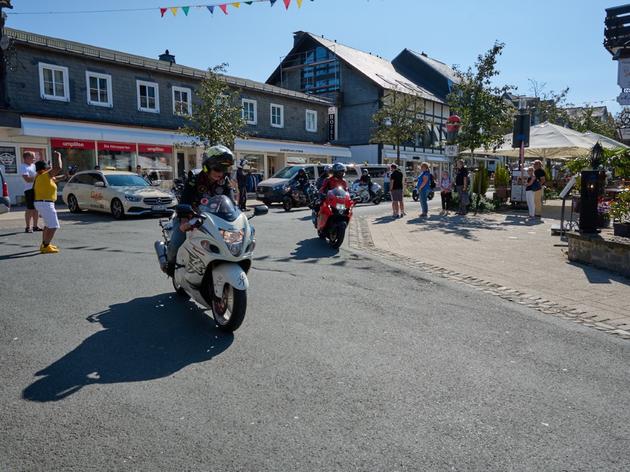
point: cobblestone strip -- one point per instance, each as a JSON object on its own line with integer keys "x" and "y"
{"x": 361, "y": 240}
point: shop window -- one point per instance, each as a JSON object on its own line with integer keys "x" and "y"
{"x": 99, "y": 89}
{"x": 53, "y": 82}
{"x": 277, "y": 116}
{"x": 250, "y": 111}
{"x": 182, "y": 101}
{"x": 157, "y": 164}
{"x": 311, "y": 121}
{"x": 148, "y": 98}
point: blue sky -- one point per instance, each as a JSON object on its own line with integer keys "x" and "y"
{"x": 558, "y": 42}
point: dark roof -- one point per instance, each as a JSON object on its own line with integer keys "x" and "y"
{"x": 438, "y": 66}
{"x": 109, "y": 55}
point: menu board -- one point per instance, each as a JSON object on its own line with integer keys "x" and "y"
{"x": 8, "y": 158}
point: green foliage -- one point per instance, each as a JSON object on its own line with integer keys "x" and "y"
{"x": 501, "y": 177}
{"x": 485, "y": 115}
{"x": 217, "y": 118}
{"x": 586, "y": 122}
{"x": 480, "y": 181}
{"x": 550, "y": 105}
{"x": 617, "y": 160}
{"x": 620, "y": 207}
{"x": 396, "y": 121}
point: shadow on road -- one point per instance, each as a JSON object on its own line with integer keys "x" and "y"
{"x": 595, "y": 275}
{"x": 311, "y": 250}
{"x": 144, "y": 339}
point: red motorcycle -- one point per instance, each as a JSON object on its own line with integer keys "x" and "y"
{"x": 334, "y": 217}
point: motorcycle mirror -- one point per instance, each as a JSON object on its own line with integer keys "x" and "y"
{"x": 261, "y": 210}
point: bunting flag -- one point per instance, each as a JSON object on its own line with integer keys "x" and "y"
{"x": 224, "y": 6}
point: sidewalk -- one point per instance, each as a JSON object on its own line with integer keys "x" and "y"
{"x": 504, "y": 253}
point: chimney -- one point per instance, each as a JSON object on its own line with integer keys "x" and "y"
{"x": 424, "y": 54}
{"x": 167, "y": 57}
{"x": 297, "y": 36}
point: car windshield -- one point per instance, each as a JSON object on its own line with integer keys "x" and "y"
{"x": 221, "y": 206}
{"x": 126, "y": 181}
{"x": 287, "y": 173}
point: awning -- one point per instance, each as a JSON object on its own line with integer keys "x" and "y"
{"x": 78, "y": 130}
{"x": 417, "y": 156}
{"x": 292, "y": 148}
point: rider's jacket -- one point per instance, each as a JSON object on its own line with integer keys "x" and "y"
{"x": 302, "y": 181}
{"x": 200, "y": 186}
{"x": 333, "y": 182}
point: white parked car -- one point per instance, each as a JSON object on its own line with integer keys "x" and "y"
{"x": 118, "y": 193}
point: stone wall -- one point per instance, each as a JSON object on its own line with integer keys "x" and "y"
{"x": 603, "y": 251}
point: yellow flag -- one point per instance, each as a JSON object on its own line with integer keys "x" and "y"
{"x": 299, "y": 2}
{"x": 174, "y": 11}
{"x": 236, "y": 4}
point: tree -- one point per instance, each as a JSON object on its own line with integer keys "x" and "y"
{"x": 397, "y": 120}
{"x": 550, "y": 105}
{"x": 585, "y": 121}
{"x": 485, "y": 115}
{"x": 217, "y": 118}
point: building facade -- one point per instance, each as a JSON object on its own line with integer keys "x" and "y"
{"x": 358, "y": 83}
{"x": 114, "y": 110}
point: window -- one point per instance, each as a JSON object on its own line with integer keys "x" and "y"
{"x": 250, "y": 112}
{"x": 99, "y": 89}
{"x": 323, "y": 75}
{"x": 148, "y": 98}
{"x": 53, "y": 82}
{"x": 182, "y": 101}
{"x": 311, "y": 120}
{"x": 277, "y": 116}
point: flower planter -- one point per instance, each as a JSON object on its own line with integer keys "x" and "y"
{"x": 621, "y": 229}
{"x": 603, "y": 221}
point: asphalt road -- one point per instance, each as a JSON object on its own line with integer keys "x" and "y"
{"x": 343, "y": 363}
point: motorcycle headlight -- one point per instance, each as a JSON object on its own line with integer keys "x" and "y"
{"x": 340, "y": 206}
{"x": 233, "y": 240}
{"x": 132, "y": 198}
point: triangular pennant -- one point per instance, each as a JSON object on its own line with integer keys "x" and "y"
{"x": 210, "y": 9}
{"x": 224, "y": 8}
{"x": 185, "y": 10}
{"x": 174, "y": 11}
{"x": 287, "y": 3}
{"x": 236, "y": 4}
{"x": 249, "y": 3}
{"x": 272, "y": 2}
{"x": 162, "y": 11}
{"x": 299, "y": 2}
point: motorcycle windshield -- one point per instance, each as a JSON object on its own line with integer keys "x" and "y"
{"x": 337, "y": 193}
{"x": 221, "y": 206}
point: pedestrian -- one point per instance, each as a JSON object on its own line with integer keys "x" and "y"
{"x": 396, "y": 184}
{"x": 461, "y": 184}
{"x": 28, "y": 173}
{"x": 446, "y": 187}
{"x": 530, "y": 192}
{"x": 45, "y": 190}
{"x": 424, "y": 187}
{"x": 241, "y": 180}
{"x": 540, "y": 175}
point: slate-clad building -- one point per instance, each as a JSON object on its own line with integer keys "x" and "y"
{"x": 116, "y": 110}
{"x": 357, "y": 81}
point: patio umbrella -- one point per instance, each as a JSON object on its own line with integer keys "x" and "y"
{"x": 605, "y": 141}
{"x": 549, "y": 141}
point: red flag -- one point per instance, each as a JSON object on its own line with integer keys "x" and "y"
{"x": 287, "y": 3}
{"x": 162, "y": 11}
{"x": 224, "y": 8}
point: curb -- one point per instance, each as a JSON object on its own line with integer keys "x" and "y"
{"x": 361, "y": 240}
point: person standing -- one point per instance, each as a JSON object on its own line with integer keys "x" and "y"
{"x": 28, "y": 172}
{"x": 446, "y": 194}
{"x": 45, "y": 189}
{"x": 461, "y": 184}
{"x": 540, "y": 175}
{"x": 241, "y": 182}
{"x": 424, "y": 187}
{"x": 396, "y": 190}
{"x": 530, "y": 192}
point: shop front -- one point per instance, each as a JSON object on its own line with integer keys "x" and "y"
{"x": 116, "y": 156}
{"x": 438, "y": 163}
{"x": 157, "y": 164}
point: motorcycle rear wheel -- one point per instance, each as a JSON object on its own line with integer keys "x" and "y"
{"x": 229, "y": 310}
{"x": 287, "y": 204}
{"x": 337, "y": 235}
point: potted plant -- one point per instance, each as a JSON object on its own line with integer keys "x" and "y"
{"x": 501, "y": 182}
{"x": 620, "y": 212}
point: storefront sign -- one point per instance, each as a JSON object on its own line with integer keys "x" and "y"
{"x": 331, "y": 127}
{"x": 623, "y": 73}
{"x": 297, "y": 151}
{"x": 120, "y": 147}
{"x": 8, "y": 158}
{"x": 71, "y": 143}
{"x": 153, "y": 148}
{"x": 624, "y": 99}
{"x": 451, "y": 150}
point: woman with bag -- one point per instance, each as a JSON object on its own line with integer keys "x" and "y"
{"x": 531, "y": 187}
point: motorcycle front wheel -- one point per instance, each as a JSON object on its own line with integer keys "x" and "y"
{"x": 229, "y": 310}
{"x": 337, "y": 235}
{"x": 287, "y": 204}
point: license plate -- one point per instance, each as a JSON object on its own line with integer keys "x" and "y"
{"x": 158, "y": 207}
{"x": 261, "y": 195}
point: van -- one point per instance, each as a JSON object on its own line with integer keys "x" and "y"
{"x": 376, "y": 171}
{"x": 271, "y": 190}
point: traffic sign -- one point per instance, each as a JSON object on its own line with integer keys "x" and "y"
{"x": 624, "y": 99}
{"x": 451, "y": 150}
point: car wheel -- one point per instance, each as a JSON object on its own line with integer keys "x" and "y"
{"x": 118, "y": 211}
{"x": 73, "y": 204}
{"x": 267, "y": 202}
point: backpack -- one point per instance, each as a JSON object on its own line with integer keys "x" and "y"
{"x": 431, "y": 182}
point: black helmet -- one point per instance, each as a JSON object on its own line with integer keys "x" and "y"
{"x": 218, "y": 158}
{"x": 338, "y": 170}
{"x": 301, "y": 171}
{"x": 327, "y": 169}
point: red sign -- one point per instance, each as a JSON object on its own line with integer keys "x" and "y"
{"x": 157, "y": 148}
{"x": 71, "y": 143}
{"x": 122, "y": 147}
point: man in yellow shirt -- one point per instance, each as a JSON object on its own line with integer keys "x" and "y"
{"x": 45, "y": 190}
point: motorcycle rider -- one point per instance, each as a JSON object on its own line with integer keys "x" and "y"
{"x": 211, "y": 181}
{"x": 302, "y": 181}
{"x": 336, "y": 180}
{"x": 327, "y": 173}
{"x": 367, "y": 181}
{"x": 241, "y": 180}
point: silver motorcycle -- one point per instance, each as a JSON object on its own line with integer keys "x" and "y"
{"x": 212, "y": 264}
